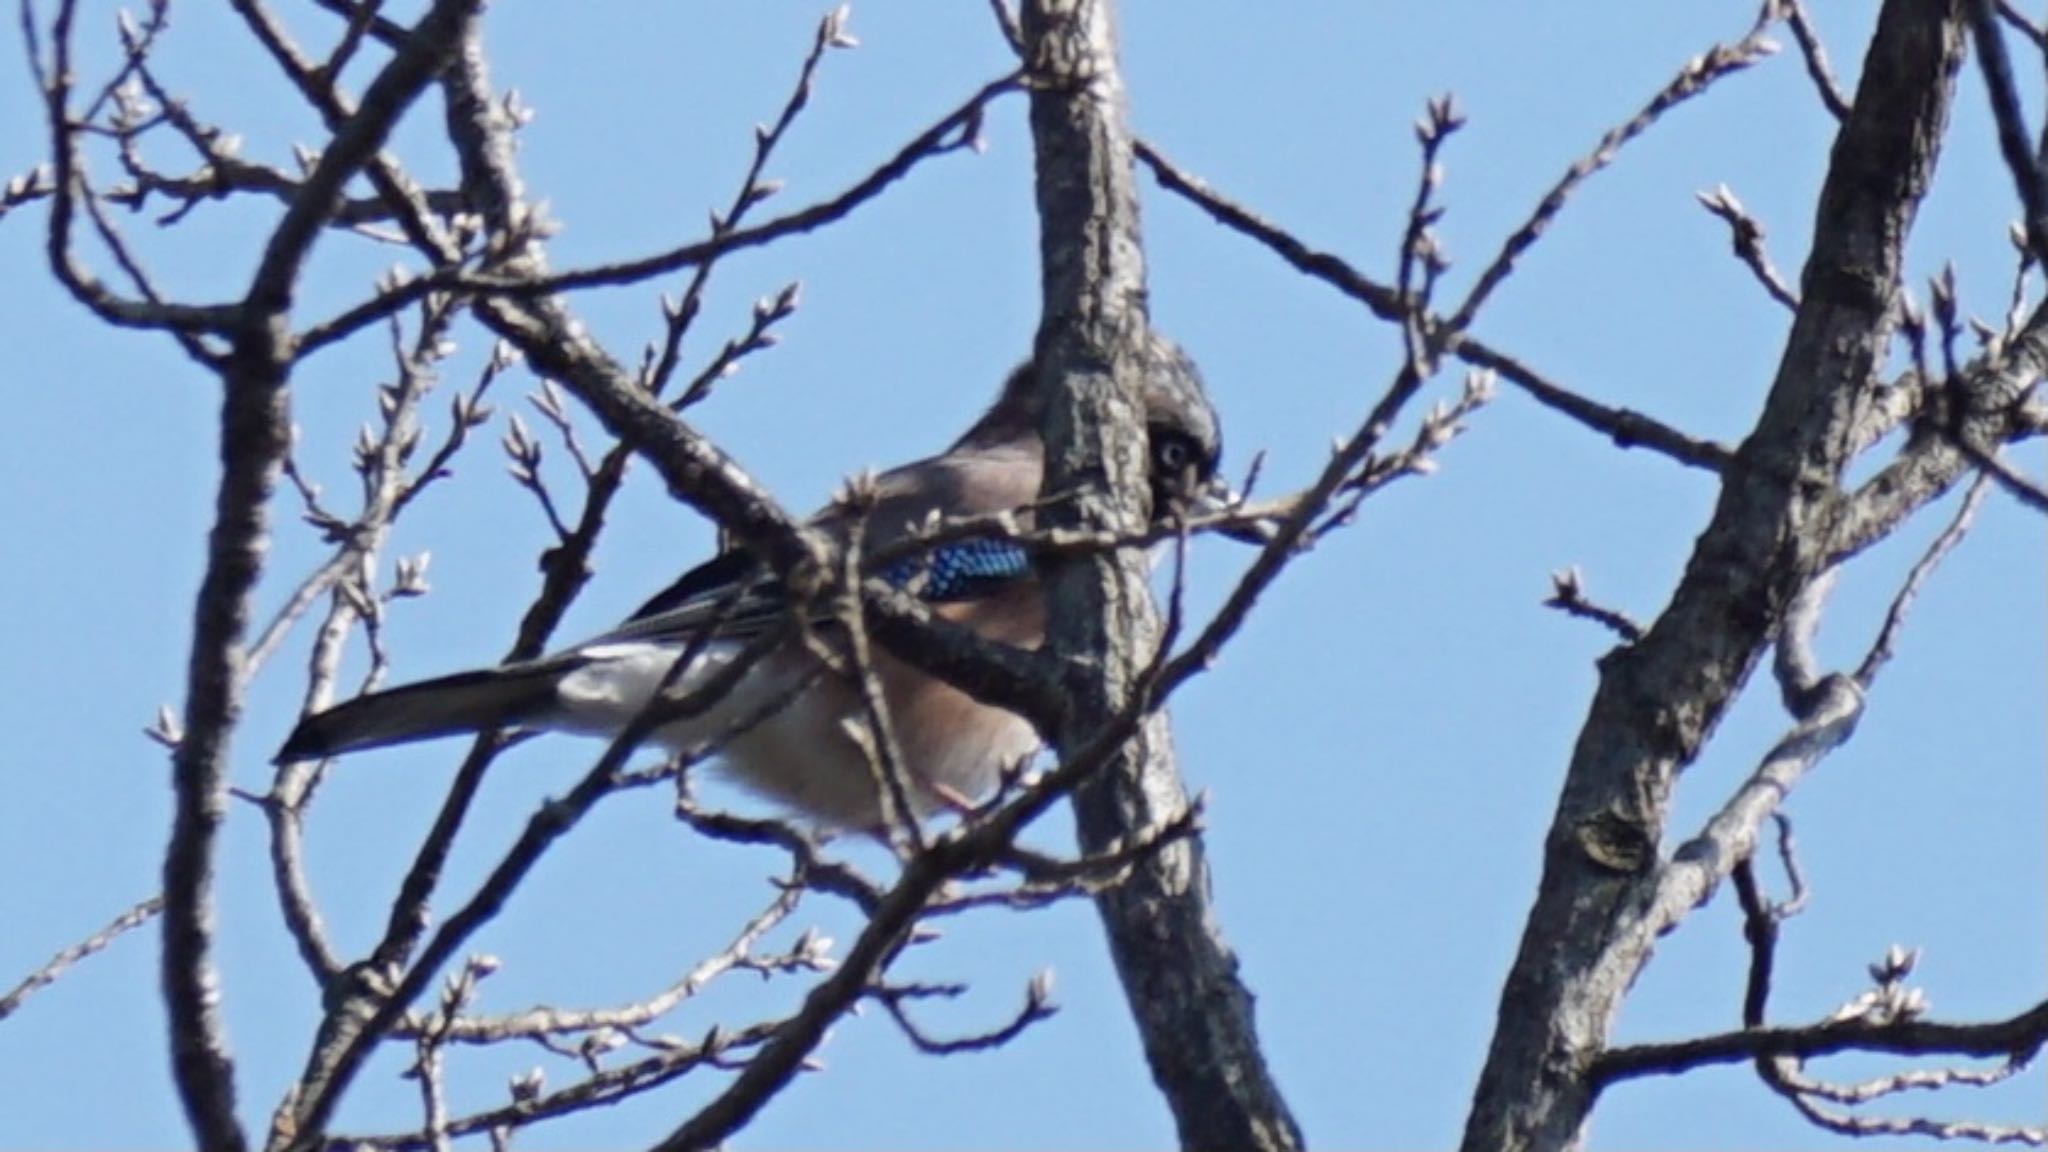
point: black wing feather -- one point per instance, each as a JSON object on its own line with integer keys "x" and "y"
{"x": 707, "y": 580}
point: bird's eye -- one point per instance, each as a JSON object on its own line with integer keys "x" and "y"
{"x": 1171, "y": 453}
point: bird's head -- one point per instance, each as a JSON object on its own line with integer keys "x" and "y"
{"x": 1184, "y": 438}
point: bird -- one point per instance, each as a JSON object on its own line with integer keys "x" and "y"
{"x": 805, "y": 757}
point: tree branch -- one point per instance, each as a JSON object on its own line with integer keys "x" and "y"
{"x": 1180, "y": 977}
{"x": 1588, "y": 934}
{"x": 254, "y": 439}
{"x": 2018, "y": 1037}
{"x": 1627, "y": 428}
{"x": 48, "y": 974}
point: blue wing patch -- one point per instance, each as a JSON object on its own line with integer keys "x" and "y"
{"x": 960, "y": 570}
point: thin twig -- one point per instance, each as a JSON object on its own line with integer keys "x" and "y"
{"x": 1006, "y": 23}
{"x": 721, "y": 1049}
{"x": 737, "y": 955}
{"x": 881, "y": 751}
{"x": 1037, "y": 1006}
{"x": 1568, "y": 595}
{"x": 958, "y": 129}
{"x": 60, "y": 963}
{"x": 1747, "y": 237}
{"x": 1695, "y": 77}
{"x": 1625, "y": 427}
{"x": 2018, "y": 22}
{"x": 753, "y": 190}
{"x": 2014, "y": 142}
{"x": 1882, "y": 647}
{"x": 2015, "y": 484}
{"x": 2020, "y": 1035}
{"x": 1816, "y": 57}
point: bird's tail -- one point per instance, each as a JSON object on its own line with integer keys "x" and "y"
{"x": 464, "y": 702}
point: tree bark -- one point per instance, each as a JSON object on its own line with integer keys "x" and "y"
{"x": 1178, "y": 973}
{"x": 1596, "y": 917}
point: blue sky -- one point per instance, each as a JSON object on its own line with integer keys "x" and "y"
{"x": 1381, "y": 749}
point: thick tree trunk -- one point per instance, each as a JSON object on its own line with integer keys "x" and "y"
{"x": 1658, "y": 700}
{"x": 1179, "y": 975}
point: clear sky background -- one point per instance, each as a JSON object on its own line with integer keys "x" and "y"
{"x": 1382, "y": 747}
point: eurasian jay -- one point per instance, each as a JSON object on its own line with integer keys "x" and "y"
{"x": 803, "y": 756}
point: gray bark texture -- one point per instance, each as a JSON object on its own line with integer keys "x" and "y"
{"x": 1180, "y": 977}
{"x": 1780, "y": 512}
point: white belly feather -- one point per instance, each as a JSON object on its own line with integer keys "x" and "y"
{"x": 802, "y": 755}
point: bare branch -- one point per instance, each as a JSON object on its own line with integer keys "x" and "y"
{"x": 431, "y": 1043}
{"x": 381, "y": 462}
{"x": 531, "y": 1104}
{"x": 1890, "y": 1003}
{"x": 1087, "y": 874}
{"x": 71, "y": 188}
{"x": 1990, "y": 403}
{"x": 1795, "y": 662}
{"x": 760, "y": 335}
{"x": 554, "y": 1022}
{"x": 254, "y": 440}
{"x": 1420, "y": 250}
{"x": 1658, "y": 699}
{"x": 1761, "y": 918}
{"x": 347, "y": 1037}
{"x": 2012, "y": 481}
{"x": 1848, "y": 1125}
{"x": 49, "y": 973}
{"x": 1037, "y": 1006}
{"x": 958, "y": 129}
{"x": 1568, "y": 595}
{"x": 1381, "y": 300}
{"x": 1800, "y": 21}
{"x": 1760, "y": 929}
{"x": 854, "y": 663}
{"x": 1006, "y": 23}
{"x": 2014, "y": 142}
{"x": 1747, "y": 236}
{"x": 2018, "y": 22}
{"x": 1626, "y": 428}
{"x": 1882, "y": 647}
{"x": 1180, "y": 978}
{"x": 753, "y": 190}
{"x": 35, "y": 184}
{"x": 363, "y": 21}
{"x": 1695, "y": 77}
{"x": 1350, "y": 467}
{"x": 2017, "y": 1037}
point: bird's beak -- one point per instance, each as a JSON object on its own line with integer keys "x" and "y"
{"x": 1217, "y": 498}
